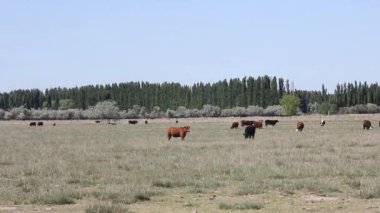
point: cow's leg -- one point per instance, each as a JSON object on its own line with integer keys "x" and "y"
{"x": 182, "y": 136}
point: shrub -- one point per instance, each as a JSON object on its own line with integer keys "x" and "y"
{"x": 210, "y": 111}
{"x": 254, "y": 111}
{"x": 275, "y": 110}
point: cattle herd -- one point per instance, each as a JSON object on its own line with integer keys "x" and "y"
{"x": 39, "y": 123}
{"x": 251, "y": 126}
{"x": 249, "y": 131}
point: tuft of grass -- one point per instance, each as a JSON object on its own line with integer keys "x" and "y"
{"x": 252, "y": 189}
{"x": 6, "y": 163}
{"x": 163, "y": 184}
{"x": 196, "y": 190}
{"x": 142, "y": 196}
{"x": 240, "y": 206}
{"x": 190, "y": 204}
{"x": 369, "y": 192}
{"x": 73, "y": 181}
{"x": 106, "y": 208}
{"x": 55, "y": 199}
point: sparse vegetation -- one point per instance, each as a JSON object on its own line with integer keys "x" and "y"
{"x": 123, "y": 166}
{"x": 106, "y": 208}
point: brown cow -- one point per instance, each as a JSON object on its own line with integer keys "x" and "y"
{"x": 300, "y": 126}
{"x": 32, "y": 124}
{"x": 258, "y": 124}
{"x": 40, "y": 123}
{"x": 178, "y": 132}
{"x": 234, "y": 125}
{"x": 323, "y": 122}
{"x": 246, "y": 123}
{"x": 367, "y": 124}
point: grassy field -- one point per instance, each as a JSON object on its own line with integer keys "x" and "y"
{"x": 81, "y": 166}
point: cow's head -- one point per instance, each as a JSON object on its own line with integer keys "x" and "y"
{"x": 186, "y": 128}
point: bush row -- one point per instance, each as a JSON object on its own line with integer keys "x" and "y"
{"x": 109, "y": 110}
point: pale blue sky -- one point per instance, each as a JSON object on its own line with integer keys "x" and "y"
{"x": 51, "y": 43}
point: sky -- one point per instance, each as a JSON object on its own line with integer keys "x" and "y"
{"x": 68, "y": 43}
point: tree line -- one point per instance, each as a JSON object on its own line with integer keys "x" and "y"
{"x": 262, "y": 91}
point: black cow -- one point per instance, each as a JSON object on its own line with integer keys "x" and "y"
{"x": 32, "y": 124}
{"x": 270, "y": 122}
{"x": 367, "y": 124}
{"x": 97, "y": 121}
{"x": 249, "y": 132}
{"x": 40, "y": 123}
{"x": 132, "y": 122}
{"x": 146, "y": 122}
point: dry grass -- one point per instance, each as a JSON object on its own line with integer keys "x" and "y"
{"x": 134, "y": 167}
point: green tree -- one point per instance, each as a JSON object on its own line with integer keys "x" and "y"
{"x": 107, "y": 110}
{"x": 66, "y": 104}
{"x": 289, "y": 104}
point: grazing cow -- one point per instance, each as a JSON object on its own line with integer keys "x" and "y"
{"x": 40, "y": 123}
{"x": 367, "y": 124}
{"x": 97, "y": 121}
{"x": 146, "y": 122}
{"x": 176, "y": 121}
{"x": 132, "y": 122}
{"x": 234, "y": 125}
{"x": 323, "y": 122}
{"x": 178, "y": 132}
{"x": 249, "y": 132}
{"x": 246, "y": 123}
{"x": 54, "y": 124}
{"x": 270, "y": 122}
{"x": 300, "y": 126}
{"x": 32, "y": 124}
{"x": 258, "y": 124}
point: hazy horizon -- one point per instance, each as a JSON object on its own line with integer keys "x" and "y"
{"x": 49, "y": 44}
